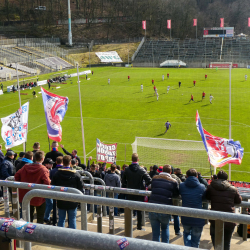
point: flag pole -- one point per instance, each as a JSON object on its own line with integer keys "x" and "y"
{"x": 49, "y": 143}
{"x": 196, "y": 29}
{"x": 19, "y": 96}
{"x": 83, "y": 140}
{"x": 230, "y": 129}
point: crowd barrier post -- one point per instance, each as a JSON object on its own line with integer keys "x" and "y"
{"x": 99, "y": 214}
{"x": 128, "y": 218}
{"x": 102, "y": 186}
{"x": 143, "y": 218}
{"x": 219, "y": 235}
{"x": 91, "y": 191}
{"x": 244, "y": 211}
{"x": 6, "y": 201}
{"x": 111, "y": 217}
{"x": 82, "y": 240}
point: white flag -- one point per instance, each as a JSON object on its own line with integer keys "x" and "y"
{"x": 15, "y": 127}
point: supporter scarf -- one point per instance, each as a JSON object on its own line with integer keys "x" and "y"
{"x": 54, "y": 149}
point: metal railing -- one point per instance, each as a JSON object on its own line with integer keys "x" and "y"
{"x": 219, "y": 217}
{"x": 77, "y": 239}
{"x": 25, "y": 185}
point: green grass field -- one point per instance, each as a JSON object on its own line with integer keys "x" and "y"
{"x": 120, "y": 111}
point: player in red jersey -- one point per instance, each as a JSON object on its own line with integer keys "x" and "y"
{"x": 192, "y": 98}
{"x": 203, "y": 95}
{"x": 194, "y": 82}
{"x": 205, "y": 77}
{"x": 153, "y": 81}
{"x": 128, "y": 78}
{"x": 154, "y": 90}
{"x": 168, "y": 75}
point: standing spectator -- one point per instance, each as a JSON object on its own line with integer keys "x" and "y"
{"x": 176, "y": 203}
{"x": 73, "y": 154}
{"x": 54, "y": 153}
{"x": 74, "y": 165}
{"x": 21, "y": 156}
{"x": 28, "y": 158}
{"x": 164, "y": 187}
{"x": 36, "y": 147}
{"x": 179, "y": 174}
{"x": 192, "y": 192}
{"x": 202, "y": 180}
{"x": 48, "y": 163}
{"x": 34, "y": 173}
{"x": 223, "y": 196}
{"x": 67, "y": 177}
{"x": 1, "y": 155}
{"x": 7, "y": 168}
{"x": 133, "y": 177}
{"x": 59, "y": 164}
{"x": 111, "y": 179}
{"x": 48, "y": 83}
{"x": 154, "y": 171}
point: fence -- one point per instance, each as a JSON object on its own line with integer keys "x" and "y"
{"x": 30, "y": 41}
{"x": 119, "y": 203}
{"x": 76, "y": 239}
{"x": 219, "y": 217}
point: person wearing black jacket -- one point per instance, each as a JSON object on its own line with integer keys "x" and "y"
{"x": 133, "y": 177}
{"x": 7, "y": 168}
{"x": 27, "y": 159}
{"x": 54, "y": 153}
{"x": 73, "y": 154}
{"x": 68, "y": 178}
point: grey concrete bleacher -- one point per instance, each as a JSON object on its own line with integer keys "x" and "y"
{"x": 192, "y": 50}
{"x": 24, "y": 68}
{"x": 6, "y": 70}
{"x": 54, "y": 63}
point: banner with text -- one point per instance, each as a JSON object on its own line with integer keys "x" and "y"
{"x": 15, "y": 127}
{"x": 222, "y": 65}
{"x": 111, "y": 56}
{"x": 105, "y": 152}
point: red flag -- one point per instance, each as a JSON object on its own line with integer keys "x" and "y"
{"x": 194, "y": 22}
{"x": 144, "y": 24}
{"x": 248, "y": 21}
{"x": 169, "y": 24}
{"x": 222, "y": 22}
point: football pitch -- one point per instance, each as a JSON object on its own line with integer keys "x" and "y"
{"x": 119, "y": 112}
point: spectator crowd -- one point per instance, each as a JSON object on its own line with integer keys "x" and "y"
{"x": 165, "y": 182}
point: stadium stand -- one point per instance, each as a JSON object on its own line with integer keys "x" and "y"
{"x": 192, "y": 50}
{"x": 7, "y": 72}
{"x": 24, "y": 68}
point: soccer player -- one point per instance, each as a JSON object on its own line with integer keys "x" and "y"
{"x": 194, "y": 82}
{"x": 108, "y": 81}
{"x": 157, "y": 95}
{"x": 167, "y": 125}
{"x": 179, "y": 84}
{"x": 211, "y": 98}
{"x": 92, "y": 72}
{"x": 168, "y": 89}
{"x": 153, "y": 81}
{"x": 168, "y": 75}
{"x": 128, "y": 78}
{"x": 203, "y": 95}
{"x": 155, "y": 90}
{"x": 192, "y": 98}
{"x": 86, "y": 76}
{"x": 205, "y": 77}
{"x": 34, "y": 94}
{"x": 141, "y": 87}
{"x": 162, "y": 77}
{"x": 245, "y": 77}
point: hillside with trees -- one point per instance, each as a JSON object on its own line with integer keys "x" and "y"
{"x": 122, "y": 18}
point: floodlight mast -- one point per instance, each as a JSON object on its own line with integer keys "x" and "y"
{"x": 69, "y": 22}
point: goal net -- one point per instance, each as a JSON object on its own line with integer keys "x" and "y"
{"x": 220, "y": 65}
{"x": 184, "y": 154}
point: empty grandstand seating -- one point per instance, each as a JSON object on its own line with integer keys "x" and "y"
{"x": 7, "y": 72}
{"x": 54, "y": 63}
{"x": 194, "y": 50}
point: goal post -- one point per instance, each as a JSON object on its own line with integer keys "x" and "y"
{"x": 183, "y": 154}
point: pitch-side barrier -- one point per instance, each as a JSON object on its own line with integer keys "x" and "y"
{"x": 129, "y": 206}
{"x": 77, "y": 239}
